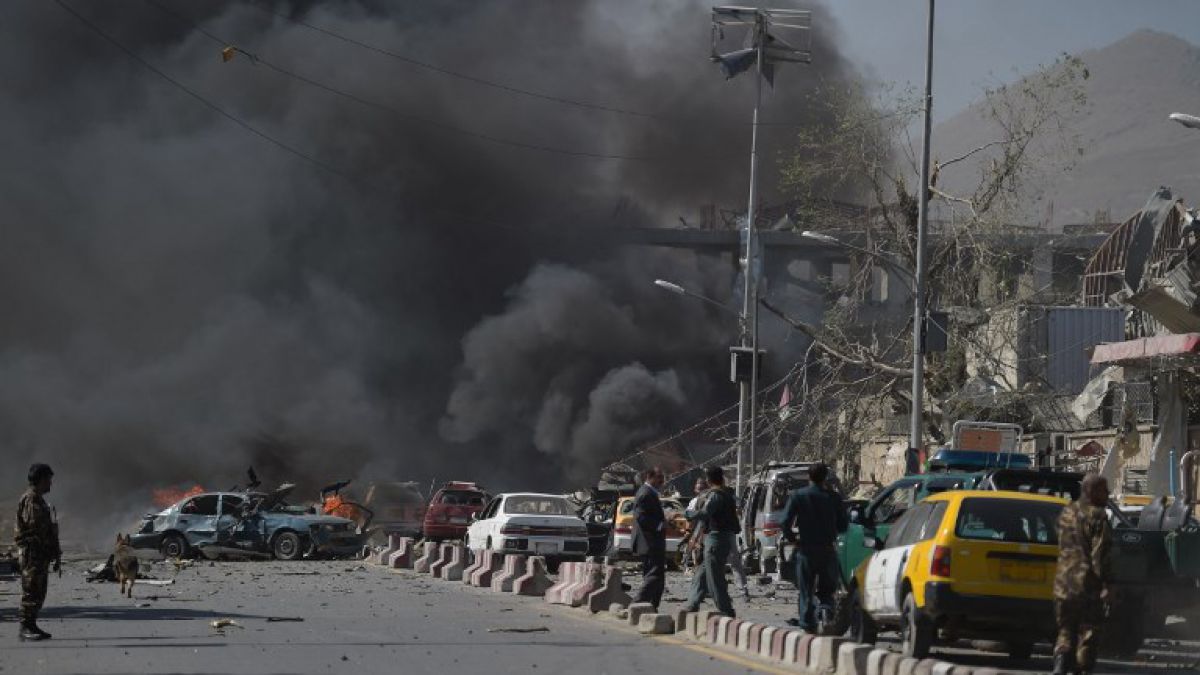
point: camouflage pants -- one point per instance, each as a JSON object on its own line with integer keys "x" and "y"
{"x": 35, "y": 578}
{"x": 1079, "y": 621}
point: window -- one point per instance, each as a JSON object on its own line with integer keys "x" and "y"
{"x": 537, "y": 505}
{"x": 893, "y": 503}
{"x": 898, "y": 533}
{"x": 801, "y": 270}
{"x": 231, "y": 505}
{"x": 204, "y": 505}
{"x": 491, "y": 509}
{"x": 839, "y": 274}
{"x": 1009, "y": 520}
{"x": 461, "y": 498}
{"x": 930, "y": 524}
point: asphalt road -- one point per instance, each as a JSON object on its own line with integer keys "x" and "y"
{"x": 356, "y": 619}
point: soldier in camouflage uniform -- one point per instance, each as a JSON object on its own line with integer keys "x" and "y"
{"x": 37, "y": 544}
{"x": 1081, "y": 582}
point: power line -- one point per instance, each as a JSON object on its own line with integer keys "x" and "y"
{"x": 443, "y": 126}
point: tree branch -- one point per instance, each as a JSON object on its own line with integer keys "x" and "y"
{"x": 812, "y": 332}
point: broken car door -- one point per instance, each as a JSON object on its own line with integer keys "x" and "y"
{"x": 198, "y": 520}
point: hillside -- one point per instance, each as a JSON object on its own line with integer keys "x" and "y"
{"x": 1131, "y": 147}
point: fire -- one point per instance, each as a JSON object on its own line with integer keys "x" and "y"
{"x": 164, "y": 497}
{"x": 335, "y": 505}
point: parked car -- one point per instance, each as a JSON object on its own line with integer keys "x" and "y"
{"x": 621, "y": 538}
{"x": 965, "y": 564}
{"x": 399, "y": 508}
{"x": 762, "y": 512}
{"x": 451, "y": 509}
{"x": 525, "y": 522}
{"x": 253, "y": 524}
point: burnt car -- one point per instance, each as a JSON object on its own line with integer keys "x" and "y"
{"x": 451, "y": 510}
{"x": 246, "y": 524}
{"x": 399, "y": 508}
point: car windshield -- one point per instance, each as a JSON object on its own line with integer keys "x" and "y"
{"x": 1012, "y": 520}
{"x": 542, "y": 506}
{"x": 461, "y": 498}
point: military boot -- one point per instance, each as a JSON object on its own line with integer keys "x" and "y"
{"x": 31, "y": 633}
{"x": 1062, "y": 664}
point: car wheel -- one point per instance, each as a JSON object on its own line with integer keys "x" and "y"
{"x": 287, "y": 546}
{"x": 916, "y": 633}
{"x": 174, "y": 546}
{"x": 1019, "y": 650}
{"x": 862, "y": 627}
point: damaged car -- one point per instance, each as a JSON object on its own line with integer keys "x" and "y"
{"x": 247, "y": 524}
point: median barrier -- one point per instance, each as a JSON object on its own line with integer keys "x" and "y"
{"x": 766, "y": 641}
{"x": 475, "y": 564}
{"x": 753, "y": 638}
{"x": 429, "y": 554}
{"x": 444, "y": 552}
{"x": 502, "y": 581}
{"x": 402, "y": 557}
{"x": 566, "y": 577}
{"x": 823, "y": 654}
{"x": 907, "y": 666}
{"x": 535, "y": 581}
{"x": 380, "y": 556}
{"x": 876, "y": 661}
{"x": 637, "y": 609}
{"x": 610, "y": 593}
{"x": 924, "y": 667}
{"x": 453, "y": 569}
{"x": 681, "y": 619}
{"x": 852, "y": 658}
{"x": 589, "y": 579}
{"x": 656, "y": 624}
{"x": 490, "y": 563}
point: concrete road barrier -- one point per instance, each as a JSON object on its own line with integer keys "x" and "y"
{"x": 429, "y": 555}
{"x": 823, "y": 654}
{"x": 609, "y": 592}
{"x": 514, "y": 566}
{"x": 535, "y": 581}
{"x": 402, "y": 557}
{"x": 380, "y": 556}
{"x": 875, "y": 662}
{"x": 907, "y": 666}
{"x": 444, "y": 553}
{"x": 766, "y": 640}
{"x": 590, "y": 578}
{"x": 476, "y": 563}
{"x": 637, "y": 609}
{"x": 852, "y": 658}
{"x": 656, "y": 624}
{"x": 567, "y": 574}
{"x": 453, "y": 569}
{"x": 490, "y": 563}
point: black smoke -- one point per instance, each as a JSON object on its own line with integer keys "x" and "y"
{"x": 182, "y": 298}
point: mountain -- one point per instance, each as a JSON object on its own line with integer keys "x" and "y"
{"x": 1130, "y": 147}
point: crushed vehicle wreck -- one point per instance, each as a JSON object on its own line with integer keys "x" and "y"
{"x": 247, "y": 525}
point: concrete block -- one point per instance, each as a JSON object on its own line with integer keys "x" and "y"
{"x": 875, "y": 662}
{"x": 502, "y": 582}
{"x": 742, "y": 639}
{"x": 535, "y": 581}
{"x": 731, "y": 633}
{"x": 681, "y": 620}
{"x": 429, "y": 555}
{"x": 907, "y": 666}
{"x": 590, "y": 579}
{"x": 804, "y": 649}
{"x": 962, "y": 670}
{"x": 791, "y": 647}
{"x": 852, "y": 658}
{"x": 444, "y": 553}
{"x": 618, "y": 611}
{"x": 823, "y": 654}
{"x": 702, "y": 618}
{"x": 712, "y": 629}
{"x": 942, "y": 668}
{"x": 637, "y": 609}
{"x": 453, "y": 569}
{"x": 475, "y": 564}
{"x": 656, "y": 624}
{"x": 404, "y": 556}
{"x": 610, "y": 592}
{"x": 756, "y": 632}
{"x": 380, "y": 556}
{"x": 891, "y": 663}
{"x": 764, "y": 641}
{"x": 489, "y": 566}
{"x": 924, "y": 667}
{"x": 568, "y": 572}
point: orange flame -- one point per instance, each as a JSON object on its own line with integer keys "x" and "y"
{"x": 164, "y": 497}
{"x": 335, "y": 505}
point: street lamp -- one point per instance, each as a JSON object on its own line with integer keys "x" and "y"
{"x": 1189, "y": 121}
{"x": 680, "y": 290}
{"x": 834, "y": 241}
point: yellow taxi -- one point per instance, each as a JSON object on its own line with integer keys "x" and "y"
{"x": 961, "y": 565}
{"x": 621, "y": 537}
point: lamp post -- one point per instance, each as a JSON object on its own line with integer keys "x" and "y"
{"x": 916, "y": 439}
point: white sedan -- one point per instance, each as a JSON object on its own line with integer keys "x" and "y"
{"x": 524, "y": 522}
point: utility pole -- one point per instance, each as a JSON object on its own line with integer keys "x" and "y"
{"x": 916, "y": 440}
{"x": 760, "y": 22}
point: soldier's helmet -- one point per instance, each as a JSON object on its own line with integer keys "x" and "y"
{"x": 38, "y": 472}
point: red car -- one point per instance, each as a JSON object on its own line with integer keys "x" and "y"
{"x": 450, "y": 510}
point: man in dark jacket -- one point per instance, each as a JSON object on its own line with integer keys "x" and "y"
{"x": 718, "y": 518}
{"x": 650, "y": 538}
{"x": 814, "y": 517}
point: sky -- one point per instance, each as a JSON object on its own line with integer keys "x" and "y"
{"x": 978, "y": 42}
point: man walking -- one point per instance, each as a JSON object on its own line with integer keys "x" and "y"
{"x": 37, "y": 546}
{"x": 1081, "y": 581}
{"x": 650, "y": 537}
{"x": 696, "y": 537}
{"x": 813, "y": 518}
{"x": 718, "y": 517}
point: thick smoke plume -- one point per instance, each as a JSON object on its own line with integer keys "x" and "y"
{"x": 183, "y": 299}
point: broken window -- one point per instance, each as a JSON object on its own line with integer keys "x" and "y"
{"x": 204, "y": 505}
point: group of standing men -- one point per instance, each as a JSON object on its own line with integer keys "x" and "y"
{"x": 814, "y": 517}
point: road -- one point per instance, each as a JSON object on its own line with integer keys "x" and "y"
{"x": 356, "y": 618}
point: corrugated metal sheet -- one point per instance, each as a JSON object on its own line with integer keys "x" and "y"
{"x": 1069, "y": 332}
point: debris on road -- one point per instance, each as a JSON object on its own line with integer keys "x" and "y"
{"x": 222, "y": 624}
{"x": 536, "y": 629}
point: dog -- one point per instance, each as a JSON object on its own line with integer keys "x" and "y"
{"x": 125, "y": 564}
